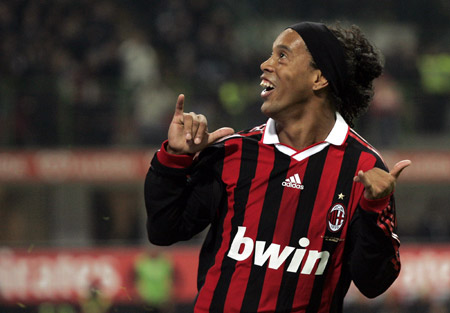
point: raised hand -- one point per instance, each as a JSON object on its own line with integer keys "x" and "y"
{"x": 188, "y": 132}
{"x": 379, "y": 183}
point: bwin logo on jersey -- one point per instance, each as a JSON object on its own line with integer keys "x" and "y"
{"x": 293, "y": 182}
{"x": 242, "y": 248}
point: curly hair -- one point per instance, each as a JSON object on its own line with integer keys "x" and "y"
{"x": 363, "y": 66}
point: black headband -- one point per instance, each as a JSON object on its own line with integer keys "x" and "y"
{"x": 327, "y": 53}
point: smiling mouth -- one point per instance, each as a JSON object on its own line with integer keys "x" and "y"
{"x": 268, "y": 88}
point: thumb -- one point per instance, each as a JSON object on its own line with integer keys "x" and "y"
{"x": 399, "y": 167}
{"x": 220, "y": 133}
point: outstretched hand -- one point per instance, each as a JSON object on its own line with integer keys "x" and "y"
{"x": 379, "y": 183}
{"x": 188, "y": 132}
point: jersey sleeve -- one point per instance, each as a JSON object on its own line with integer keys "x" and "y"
{"x": 180, "y": 197}
{"x": 374, "y": 258}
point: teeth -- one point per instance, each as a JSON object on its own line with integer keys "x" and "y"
{"x": 266, "y": 84}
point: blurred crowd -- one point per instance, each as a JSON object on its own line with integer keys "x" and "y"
{"x": 102, "y": 73}
{"x": 85, "y": 73}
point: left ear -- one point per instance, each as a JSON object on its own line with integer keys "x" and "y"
{"x": 320, "y": 81}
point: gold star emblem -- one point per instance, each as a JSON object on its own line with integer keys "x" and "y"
{"x": 341, "y": 196}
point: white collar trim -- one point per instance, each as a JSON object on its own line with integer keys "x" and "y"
{"x": 336, "y": 137}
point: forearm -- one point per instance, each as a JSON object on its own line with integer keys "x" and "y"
{"x": 165, "y": 203}
{"x": 375, "y": 261}
{"x": 177, "y": 208}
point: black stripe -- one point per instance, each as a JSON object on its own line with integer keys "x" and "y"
{"x": 247, "y": 172}
{"x": 344, "y": 186}
{"x": 300, "y": 228}
{"x": 266, "y": 228}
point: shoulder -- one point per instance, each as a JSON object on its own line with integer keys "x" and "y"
{"x": 254, "y": 133}
{"x": 232, "y": 143}
{"x": 368, "y": 154}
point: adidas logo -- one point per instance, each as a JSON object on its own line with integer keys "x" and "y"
{"x": 293, "y": 182}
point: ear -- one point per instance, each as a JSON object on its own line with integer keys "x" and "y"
{"x": 320, "y": 81}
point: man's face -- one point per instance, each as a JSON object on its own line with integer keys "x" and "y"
{"x": 288, "y": 77}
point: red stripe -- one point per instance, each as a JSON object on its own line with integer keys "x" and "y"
{"x": 230, "y": 175}
{"x": 386, "y": 220}
{"x": 283, "y": 229}
{"x": 365, "y": 162}
{"x": 333, "y": 218}
{"x": 238, "y": 284}
{"x": 318, "y": 226}
{"x": 332, "y": 278}
{"x": 384, "y": 229}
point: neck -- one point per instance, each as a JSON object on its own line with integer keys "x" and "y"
{"x": 311, "y": 127}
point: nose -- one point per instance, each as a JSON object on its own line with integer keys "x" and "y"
{"x": 266, "y": 66}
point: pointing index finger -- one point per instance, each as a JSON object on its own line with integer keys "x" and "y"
{"x": 179, "y": 107}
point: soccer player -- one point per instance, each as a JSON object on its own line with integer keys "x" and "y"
{"x": 298, "y": 207}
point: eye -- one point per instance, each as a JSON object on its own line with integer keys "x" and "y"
{"x": 282, "y": 56}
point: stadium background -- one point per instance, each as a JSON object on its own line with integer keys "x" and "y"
{"x": 87, "y": 89}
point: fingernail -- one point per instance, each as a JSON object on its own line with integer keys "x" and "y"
{"x": 188, "y": 136}
{"x": 197, "y": 140}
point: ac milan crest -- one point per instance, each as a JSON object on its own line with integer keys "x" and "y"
{"x": 336, "y": 217}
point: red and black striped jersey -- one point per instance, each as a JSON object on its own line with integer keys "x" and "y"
{"x": 289, "y": 230}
